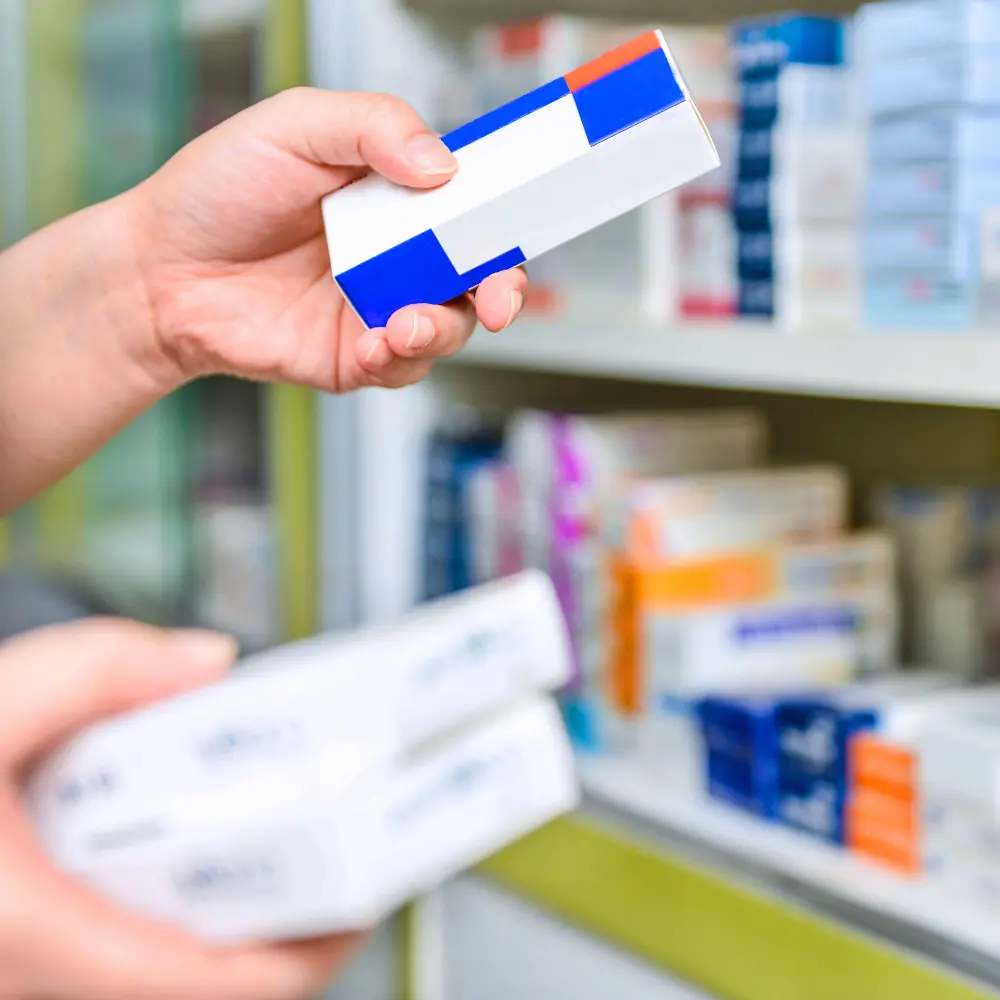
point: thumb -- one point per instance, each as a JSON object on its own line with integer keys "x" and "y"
{"x": 59, "y": 679}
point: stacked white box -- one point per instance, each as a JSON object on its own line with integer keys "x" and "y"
{"x": 325, "y": 782}
{"x": 932, "y": 91}
{"x": 959, "y": 753}
{"x": 798, "y": 175}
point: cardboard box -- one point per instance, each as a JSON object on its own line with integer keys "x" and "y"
{"x": 943, "y": 188}
{"x": 360, "y": 699}
{"x": 546, "y": 168}
{"x": 655, "y": 520}
{"x": 945, "y": 244}
{"x": 300, "y": 853}
{"x": 883, "y": 31}
{"x": 965, "y": 137}
{"x": 944, "y": 76}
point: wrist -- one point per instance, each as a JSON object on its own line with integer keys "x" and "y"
{"x": 129, "y": 298}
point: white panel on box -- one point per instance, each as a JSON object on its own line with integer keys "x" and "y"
{"x": 545, "y": 213}
{"x": 379, "y": 214}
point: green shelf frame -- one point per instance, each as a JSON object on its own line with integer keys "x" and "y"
{"x": 706, "y": 928}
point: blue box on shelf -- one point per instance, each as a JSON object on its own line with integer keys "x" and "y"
{"x": 749, "y": 786}
{"x": 932, "y": 79}
{"x": 945, "y": 244}
{"x": 915, "y": 299}
{"x": 764, "y": 45}
{"x": 756, "y": 298}
{"x": 964, "y": 137}
{"x": 813, "y": 806}
{"x": 946, "y": 187}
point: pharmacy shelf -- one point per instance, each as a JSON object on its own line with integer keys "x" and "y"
{"x": 910, "y": 913}
{"x": 956, "y": 369}
{"x": 654, "y": 868}
{"x": 658, "y": 11}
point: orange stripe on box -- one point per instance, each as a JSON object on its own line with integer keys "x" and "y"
{"x": 610, "y": 61}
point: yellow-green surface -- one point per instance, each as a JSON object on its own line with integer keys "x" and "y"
{"x": 718, "y": 935}
{"x": 55, "y": 111}
{"x": 291, "y": 410}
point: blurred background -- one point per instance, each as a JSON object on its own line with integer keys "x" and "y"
{"x": 751, "y": 430}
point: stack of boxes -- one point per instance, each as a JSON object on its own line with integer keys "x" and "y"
{"x": 742, "y": 581}
{"x": 454, "y": 457}
{"x": 959, "y": 754}
{"x": 787, "y": 758}
{"x": 565, "y": 465}
{"x": 796, "y": 196}
{"x": 931, "y": 84}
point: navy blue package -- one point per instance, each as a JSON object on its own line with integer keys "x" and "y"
{"x": 451, "y": 461}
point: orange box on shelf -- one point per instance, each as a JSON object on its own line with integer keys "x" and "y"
{"x": 879, "y": 765}
{"x": 884, "y": 829}
{"x": 642, "y": 591}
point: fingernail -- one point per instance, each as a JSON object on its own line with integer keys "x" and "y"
{"x": 422, "y": 333}
{"x": 430, "y": 155}
{"x": 516, "y": 302}
{"x": 203, "y": 647}
{"x": 380, "y": 354}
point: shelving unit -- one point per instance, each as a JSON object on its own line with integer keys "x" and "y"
{"x": 893, "y": 366}
{"x": 664, "y": 11}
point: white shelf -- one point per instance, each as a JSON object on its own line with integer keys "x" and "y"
{"x": 628, "y": 788}
{"x": 960, "y": 369}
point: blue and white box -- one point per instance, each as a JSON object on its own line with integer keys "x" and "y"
{"x": 965, "y": 137}
{"x": 765, "y": 46}
{"x": 884, "y": 31}
{"x": 937, "y": 78}
{"x": 942, "y": 188}
{"x": 945, "y": 244}
{"x": 534, "y": 174}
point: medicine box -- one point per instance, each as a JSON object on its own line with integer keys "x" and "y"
{"x": 787, "y": 253}
{"x": 919, "y": 299}
{"x": 936, "y": 78}
{"x": 965, "y": 137}
{"x": 927, "y": 189}
{"x": 883, "y": 31}
{"x": 319, "y": 849}
{"x": 764, "y": 46}
{"x": 798, "y": 97}
{"x": 946, "y": 244}
{"x": 445, "y": 665}
{"x": 534, "y": 174}
{"x": 652, "y": 520}
{"x": 707, "y": 247}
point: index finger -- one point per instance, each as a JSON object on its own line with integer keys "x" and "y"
{"x": 334, "y": 129}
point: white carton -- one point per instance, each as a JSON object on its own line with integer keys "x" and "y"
{"x": 534, "y": 174}
{"x": 357, "y": 700}
{"x": 302, "y": 854}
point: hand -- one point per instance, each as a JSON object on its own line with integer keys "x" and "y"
{"x": 230, "y": 244}
{"x": 59, "y": 941}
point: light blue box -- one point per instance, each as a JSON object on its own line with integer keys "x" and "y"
{"x": 919, "y": 300}
{"x": 944, "y": 188}
{"x": 938, "y": 78}
{"x": 946, "y": 244}
{"x": 962, "y": 135}
{"x": 902, "y": 27}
